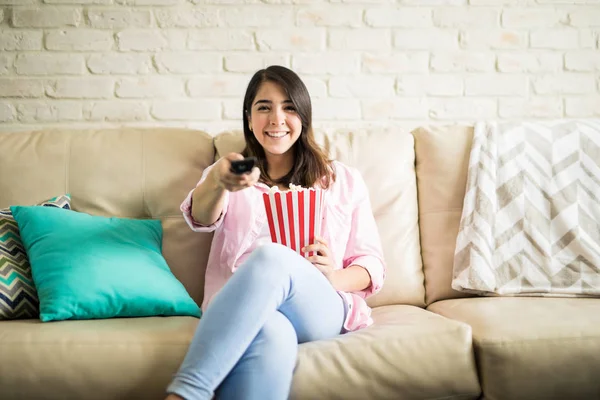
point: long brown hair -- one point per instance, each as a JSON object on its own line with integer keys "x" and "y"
{"x": 311, "y": 164}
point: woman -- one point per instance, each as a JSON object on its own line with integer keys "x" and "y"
{"x": 262, "y": 299}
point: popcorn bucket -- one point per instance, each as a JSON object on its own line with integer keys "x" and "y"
{"x": 294, "y": 217}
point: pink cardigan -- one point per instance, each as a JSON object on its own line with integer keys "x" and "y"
{"x": 348, "y": 227}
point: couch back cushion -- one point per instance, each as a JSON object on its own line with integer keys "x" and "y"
{"x": 130, "y": 173}
{"x": 442, "y": 160}
{"x": 385, "y": 158}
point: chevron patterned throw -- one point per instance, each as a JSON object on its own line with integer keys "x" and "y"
{"x": 531, "y": 217}
{"x": 18, "y": 297}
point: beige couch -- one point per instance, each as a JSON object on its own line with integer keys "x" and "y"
{"x": 428, "y": 341}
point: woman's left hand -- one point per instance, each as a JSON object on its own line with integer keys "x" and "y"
{"x": 323, "y": 258}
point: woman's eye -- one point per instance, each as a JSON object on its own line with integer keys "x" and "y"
{"x": 290, "y": 108}
{"x": 263, "y": 108}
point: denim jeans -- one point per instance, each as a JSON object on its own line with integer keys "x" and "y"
{"x": 246, "y": 343}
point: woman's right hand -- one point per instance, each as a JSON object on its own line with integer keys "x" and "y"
{"x": 223, "y": 177}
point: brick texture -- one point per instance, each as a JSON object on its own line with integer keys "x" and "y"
{"x": 364, "y": 62}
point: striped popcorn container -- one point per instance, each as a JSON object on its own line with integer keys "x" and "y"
{"x": 294, "y": 216}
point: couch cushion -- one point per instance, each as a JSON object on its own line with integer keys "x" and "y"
{"x": 136, "y": 173}
{"x": 408, "y": 354}
{"x": 442, "y": 160}
{"x": 533, "y": 348}
{"x": 121, "y": 358}
{"x": 385, "y": 159}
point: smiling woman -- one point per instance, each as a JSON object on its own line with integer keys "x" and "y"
{"x": 276, "y": 127}
{"x": 262, "y": 299}
{"x": 278, "y": 130}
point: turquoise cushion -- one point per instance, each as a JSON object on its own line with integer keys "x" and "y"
{"x": 87, "y": 267}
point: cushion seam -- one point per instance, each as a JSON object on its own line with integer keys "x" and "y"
{"x": 479, "y": 342}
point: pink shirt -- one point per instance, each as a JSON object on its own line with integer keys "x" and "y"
{"x": 348, "y": 227}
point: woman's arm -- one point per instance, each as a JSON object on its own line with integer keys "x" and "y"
{"x": 209, "y": 196}
{"x": 363, "y": 269}
{"x": 351, "y": 279}
{"x": 207, "y": 200}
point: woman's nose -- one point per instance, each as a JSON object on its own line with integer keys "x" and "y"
{"x": 277, "y": 118}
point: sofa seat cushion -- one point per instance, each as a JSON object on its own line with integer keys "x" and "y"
{"x": 121, "y": 358}
{"x": 533, "y": 348}
{"x": 408, "y": 353}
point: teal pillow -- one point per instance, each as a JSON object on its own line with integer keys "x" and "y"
{"x": 87, "y": 267}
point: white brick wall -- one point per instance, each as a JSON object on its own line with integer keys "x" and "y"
{"x": 47, "y": 17}
{"x": 365, "y": 62}
{"x": 43, "y": 111}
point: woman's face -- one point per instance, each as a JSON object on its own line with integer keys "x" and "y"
{"x": 273, "y": 120}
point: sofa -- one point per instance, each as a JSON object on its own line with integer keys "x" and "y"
{"x": 427, "y": 341}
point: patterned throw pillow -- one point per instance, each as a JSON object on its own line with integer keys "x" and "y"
{"x": 18, "y": 297}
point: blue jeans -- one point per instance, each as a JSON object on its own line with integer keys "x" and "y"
{"x": 246, "y": 343}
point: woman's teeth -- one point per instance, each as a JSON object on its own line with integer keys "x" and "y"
{"x": 276, "y": 134}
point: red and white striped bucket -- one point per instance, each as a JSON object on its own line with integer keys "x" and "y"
{"x": 294, "y": 217}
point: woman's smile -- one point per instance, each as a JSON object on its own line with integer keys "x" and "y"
{"x": 276, "y": 134}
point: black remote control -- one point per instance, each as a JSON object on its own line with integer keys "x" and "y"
{"x": 243, "y": 166}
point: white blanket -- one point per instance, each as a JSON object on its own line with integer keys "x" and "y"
{"x": 531, "y": 217}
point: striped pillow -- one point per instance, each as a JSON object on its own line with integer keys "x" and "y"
{"x": 18, "y": 297}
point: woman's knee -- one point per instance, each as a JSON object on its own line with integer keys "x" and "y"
{"x": 271, "y": 260}
{"x": 277, "y": 343}
{"x": 272, "y": 253}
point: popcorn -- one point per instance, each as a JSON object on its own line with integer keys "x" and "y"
{"x": 294, "y": 216}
